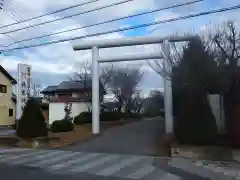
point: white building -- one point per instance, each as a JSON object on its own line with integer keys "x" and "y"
{"x": 76, "y": 93}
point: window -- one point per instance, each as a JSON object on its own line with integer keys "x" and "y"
{"x": 10, "y": 112}
{"x": 3, "y": 88}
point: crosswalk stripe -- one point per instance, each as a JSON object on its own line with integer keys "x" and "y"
{"x": 100, "y": 167}
{"x": 64, "y": 156}
{"x": 84, "y": 157}
{"x": 117, "y": 165}
{"x": 37, "y": 157}
{"x": 17, "y": 156}
{"x": 157, "y": 173}
{"x": 5, "y": 150}
{"x": 94, "y": 163}
{"x": 145, "y": 170}
{"x": 126, "y": 171}
{"x": 126, "y": 162}
{"x": 169, "y": 176}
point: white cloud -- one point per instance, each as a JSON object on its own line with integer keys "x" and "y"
{"x": 61, "y": 59}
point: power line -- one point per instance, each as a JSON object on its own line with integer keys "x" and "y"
{"x": 108, "y": 21}
{"x": 10, "y": 37}
{"x": 13, "y": 9}
{"x": 21, "y": 17}
{"x": 14, "y": 17}
{"x": 65, "y": 17}
{"x": 54, "y": 12}
{"x": 130, "y": 28}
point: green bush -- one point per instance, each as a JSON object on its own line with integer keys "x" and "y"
{"x": 192, "y": 81}
{"x": 86, "y": 117}
{"x": 111, "y": 116}
{"x": 195, "y": 123}
{"x": 154, "y": 114}
{"x": 62, "y": 126}
{"x": 32, "y": 123}
{"x": 83, "y": 118}
{"x": 131, "y": 115}
{"x": 14, "y": 126}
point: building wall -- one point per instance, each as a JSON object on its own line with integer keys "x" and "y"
{"x": 218, "y": 111}
{"x": 6, "y": 102}
{"x": 56, "y": 110}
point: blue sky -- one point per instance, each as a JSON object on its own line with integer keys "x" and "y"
{"x": 51, "y": 64}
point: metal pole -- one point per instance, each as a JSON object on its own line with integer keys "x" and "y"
{"x": 95, "y": 90}
{"x": 167, "y": 90}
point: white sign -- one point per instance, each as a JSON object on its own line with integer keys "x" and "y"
{"x": 24, "y": 87}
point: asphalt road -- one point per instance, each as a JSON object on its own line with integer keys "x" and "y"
{"x": 21, "y": 172}
{"x": 137, "y": 138}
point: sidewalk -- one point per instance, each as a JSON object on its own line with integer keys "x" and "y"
{"x": 200, "y": 169}
{"x": 236, "y": 155}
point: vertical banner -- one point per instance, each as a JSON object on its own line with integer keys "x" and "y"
{"x": 24, "y": 87}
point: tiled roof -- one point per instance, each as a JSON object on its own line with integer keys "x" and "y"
{"x": 70, "y": 85}
{"x": 49, "y": 89}
{"x": 4, "y": 71}
{"x": 67, "y": 85}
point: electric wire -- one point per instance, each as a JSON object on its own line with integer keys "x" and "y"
{"x": 108, "y": 21}
{"x": 129, "y": 28}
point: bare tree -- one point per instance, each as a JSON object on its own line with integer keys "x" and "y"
{"x": 172, "y": 56}
{"x": 227, "y": 41}
{"x": 225, "y": 45}
{"x": 223, "y": 42}
{"x": 122, "y": 82}
{"x": 82, "y": 72}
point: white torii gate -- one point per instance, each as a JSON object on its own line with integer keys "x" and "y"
{"x": 95, "y": 45}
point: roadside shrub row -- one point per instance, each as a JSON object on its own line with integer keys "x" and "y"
{"x": 62, "y": 126}
{"x": 154, "y": 114}
{"x": 86, "y": 117}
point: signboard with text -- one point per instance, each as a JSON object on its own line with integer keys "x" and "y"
{"x": 24, "y": 87}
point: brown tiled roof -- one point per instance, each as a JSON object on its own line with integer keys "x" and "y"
{"x": 4, "y": 71}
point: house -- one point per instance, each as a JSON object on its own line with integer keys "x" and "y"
{"x": 7, "y": 98}
{"x": 77, "y": 94}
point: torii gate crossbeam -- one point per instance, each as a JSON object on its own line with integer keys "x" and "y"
{"x": 95, "y": 45}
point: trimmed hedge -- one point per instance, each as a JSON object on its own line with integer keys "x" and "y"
{"x": 195, "y": 123}
{"x": 131, "y": 115}
{"x": 14, "y": 126}
{"x": 111, "y": 116}
{"x": 86, "y": 117}
{"x": 153, "y": 114}
{"x": 32, "y": 122}
{"x": 83, "y": 118}
{"x": 62, "y": 126}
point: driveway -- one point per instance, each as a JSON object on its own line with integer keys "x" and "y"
{"x": 137, "y": 138}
